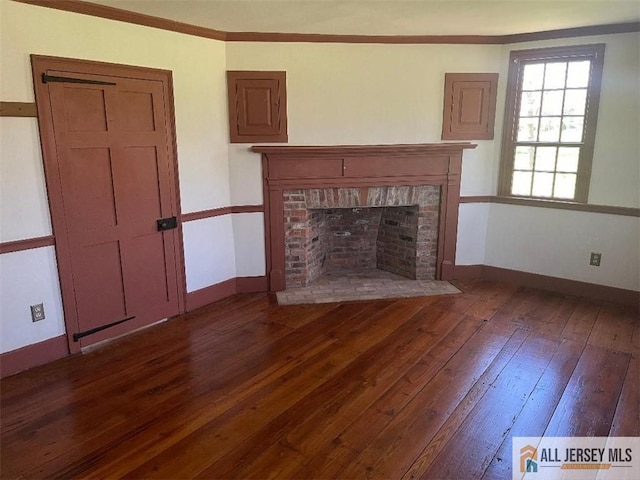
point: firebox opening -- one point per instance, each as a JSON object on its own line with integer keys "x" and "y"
{"x": 361, "y": 231}
{"x": 345, "y": 240}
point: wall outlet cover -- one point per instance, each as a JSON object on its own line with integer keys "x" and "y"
{"x": 595, "y": 259}
{"x": 37, "y": 312}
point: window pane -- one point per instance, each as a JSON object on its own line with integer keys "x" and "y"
{"x": 554, "y": 75}
{"x": 565, "y": 185}
{"x": 568, "y": 159}
{"x": 544, "y": 149}
{"x": 546, "y": 158}
{"x": 530, "y": 104}
{"x": 549, "y": 129}
{"x": 571, "y": 129}
{"x": 532, "y": 76}
{"x": 528, "y": 130}
{"x": 524, "y": 158}
{"x": 578, "y": 74}
{"x": 521, "y": 183}
{"x": 574, "y": 102}
{"x": 542, "y": 184}
{"x": 552, "y": 102}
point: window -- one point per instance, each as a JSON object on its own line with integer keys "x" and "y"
{"x": 550, "y": 121}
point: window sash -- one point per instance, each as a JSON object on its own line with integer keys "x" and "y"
{"x": 515, "y": 88}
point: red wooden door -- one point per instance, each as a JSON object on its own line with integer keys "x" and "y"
{"x": 114, "y": 161}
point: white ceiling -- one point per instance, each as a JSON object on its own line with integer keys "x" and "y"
{"x": 387, "y": 17}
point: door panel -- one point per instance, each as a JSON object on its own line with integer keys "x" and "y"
{"x": 136, "y": 113}
{"x": 88, "y": 188}
{"x": 259, "y": 112}
{"x": 99, "y": 284}
{"x": 146, "y": 272}
{"x": 113, "y": 154}
{"x": 138, "y": 173}
{"x": 85, "y": 109}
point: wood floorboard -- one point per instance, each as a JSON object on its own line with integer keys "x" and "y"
{"x": 393, "y": 451}
{"x": 538, "y": 408}
{"x": 335, "y": 402}
{"x": 590, "y": 398}
{"x": 244, "y": 388}
{"x": 341, "y": 450}
{"x": 494, "y": 414}
{"x": 213, "y": 391}
{"x": 228, "y": 431}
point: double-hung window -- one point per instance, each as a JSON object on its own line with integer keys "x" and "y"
{"x": 550, "y": 122}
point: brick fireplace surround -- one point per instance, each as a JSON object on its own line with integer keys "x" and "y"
{"x": 392, "y": 228}
{"x": 392, "y": 207}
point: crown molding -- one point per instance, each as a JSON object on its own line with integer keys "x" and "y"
{"x": 112, "y": 13}
{"x": 120, "y": 15}
{"x": 380, "y": 39}
{"x": 609, "y": 29}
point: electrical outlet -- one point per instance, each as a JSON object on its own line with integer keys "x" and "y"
{"x": 595, "y": 259}
{"x": 37, "y": 312}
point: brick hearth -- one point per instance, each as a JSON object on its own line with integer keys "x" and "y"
{"x": 392, "y": 228}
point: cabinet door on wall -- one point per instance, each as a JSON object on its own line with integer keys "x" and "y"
{"x": 257, "y": 106}
{"x": 469, "y": 106}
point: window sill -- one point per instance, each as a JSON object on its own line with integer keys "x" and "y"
{"x": 558, "y": 204}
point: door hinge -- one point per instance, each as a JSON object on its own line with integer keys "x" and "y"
{"x": 79, "y": 335}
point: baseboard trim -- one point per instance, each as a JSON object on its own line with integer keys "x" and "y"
{"x": 213, "y": 293}
{"x": 467, "y": 272}
{"x": 251, "y": 284}
{"x": 545, "y": 282}
{"x": 33, "y": 355}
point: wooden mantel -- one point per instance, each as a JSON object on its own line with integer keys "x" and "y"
{"x": 386, "y": 149}
{"x": 349, "y": 166}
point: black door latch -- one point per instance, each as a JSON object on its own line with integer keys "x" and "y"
{"x": 168, "y": 223}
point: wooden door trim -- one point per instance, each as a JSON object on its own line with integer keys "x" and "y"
{"x": 40, "y": 64}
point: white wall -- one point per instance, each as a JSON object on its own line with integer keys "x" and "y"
{"x": 208, "y": 239}
{"x": 28, "y": 278}
{"x": 248, "y": 231}
{"x": 558, "y": 243}
{"x": 473, "y": 219}
{"x": 351, "y": 94}
{"x": 24, "y": 210}
{"x": 365, "y": 94}
{"x": 362, "y": 94}
{"x": 198, "y": 67}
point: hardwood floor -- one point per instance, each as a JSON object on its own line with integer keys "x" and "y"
{"x": 431, "y": 387}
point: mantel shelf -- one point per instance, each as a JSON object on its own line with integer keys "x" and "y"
{"x": 359, "y": 150}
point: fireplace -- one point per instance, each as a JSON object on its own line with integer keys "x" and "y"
{"x": 391, "y": 228}
{"x": 335, "y": 208}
